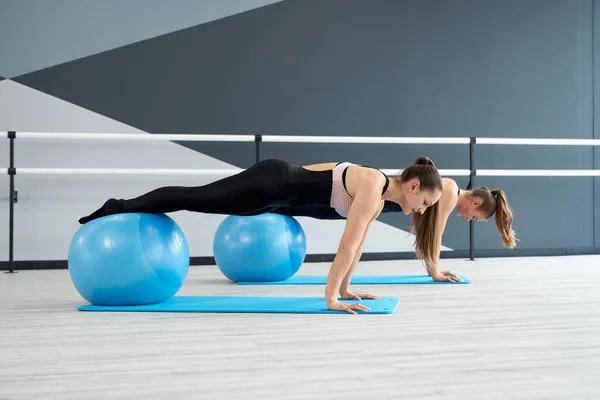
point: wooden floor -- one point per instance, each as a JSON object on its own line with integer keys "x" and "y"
{"x": 526, "y": 328}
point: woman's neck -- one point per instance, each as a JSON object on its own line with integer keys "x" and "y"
{"x": 462, "y": 195}
{"x": 394, "y": 191}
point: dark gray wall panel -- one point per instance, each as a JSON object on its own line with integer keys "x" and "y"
{"x": 347, "y": 68}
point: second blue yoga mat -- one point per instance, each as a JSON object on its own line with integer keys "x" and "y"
{"x": 247, "y": 304}
{"x": 361, "y": 280}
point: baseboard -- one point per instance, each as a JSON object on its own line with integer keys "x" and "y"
{"x": 385, "y": 256}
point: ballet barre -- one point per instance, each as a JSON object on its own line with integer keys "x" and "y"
{"x": 298, "y": 139}
{"x": 471, "y": 172}
{"x": 232, "y": 171}
{"x": 177, "y": 171}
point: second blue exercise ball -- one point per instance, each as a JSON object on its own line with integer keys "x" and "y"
{"x": 128, "y": 259}
{"x": 259, "y": 248}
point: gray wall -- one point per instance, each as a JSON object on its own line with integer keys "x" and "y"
{"x": 37, "y": 34}
{"x": 350, "y": 68}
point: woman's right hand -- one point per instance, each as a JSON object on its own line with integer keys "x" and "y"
{"x": 337, "y": 305}
{"x": 446, "y": 276}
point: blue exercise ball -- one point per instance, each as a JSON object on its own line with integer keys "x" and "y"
{"x": 259, "y": 248}
{"x": 129, "y": 259}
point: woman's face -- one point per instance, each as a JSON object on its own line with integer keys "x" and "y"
{"x": 468, "y": 209}
{"x": 418, "y": 200}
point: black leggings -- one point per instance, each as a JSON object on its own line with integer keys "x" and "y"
{"x": 264, "y": 187}
{"x": 326, "y": 212}
{"x": 312, "y": 211}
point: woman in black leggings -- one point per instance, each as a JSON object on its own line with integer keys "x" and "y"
{"x": 356, "y": 193}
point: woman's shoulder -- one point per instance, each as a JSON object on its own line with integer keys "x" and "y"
{"x": 449, "y": 193}
{"x": 367, "y": 177}
{"x": 449, "y": 186}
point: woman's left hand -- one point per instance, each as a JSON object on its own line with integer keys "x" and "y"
{"x": 348, "y": 295}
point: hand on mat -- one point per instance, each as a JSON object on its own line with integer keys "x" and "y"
{"x": 446, "y": 276}
{"x": 337, "y": 305}
{"x": 348, "y": 295}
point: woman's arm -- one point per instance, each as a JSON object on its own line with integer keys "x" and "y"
{"x": 365, "y": 204}
{"x": 433, "y": 270}
{"x": 345, "y": 285}
{"x": 447, "y": 204}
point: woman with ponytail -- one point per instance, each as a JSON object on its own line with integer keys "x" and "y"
{"x": 354, "y": 192}
{"x": 478, "y": 204}
{"x": 481, "y": 204}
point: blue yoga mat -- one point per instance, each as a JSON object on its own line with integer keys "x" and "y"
{"x": 245, "y": 304}
{"x": 361, "y": 280}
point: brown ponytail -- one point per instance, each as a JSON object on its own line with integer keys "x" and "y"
{"x": 424, "y": 161}
{"x": 504, "y": 219}
{"x": 426, "y": 226}
{"x": 495, "y": 202}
